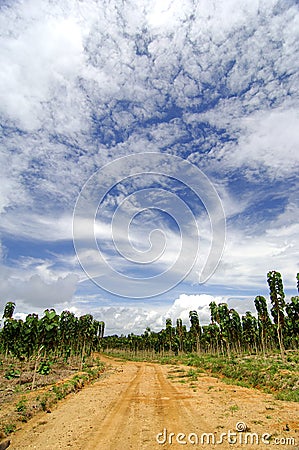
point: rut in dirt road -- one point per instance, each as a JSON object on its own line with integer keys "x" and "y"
{"x": 148, "y": 405}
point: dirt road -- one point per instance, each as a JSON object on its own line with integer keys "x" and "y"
{"x": 138, "y": 405}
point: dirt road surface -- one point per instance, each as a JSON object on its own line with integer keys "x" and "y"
{"x": 146, "y": 406}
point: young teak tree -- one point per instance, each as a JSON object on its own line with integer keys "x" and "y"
{"x": 195, "y": 329}
{"x": 9, "y": 310}
{"x": 264, "y": 321}
{"x": 180, "y": 333}
{"x": 277, "y": 297}
{"x": 292, "y": 321}
{"x": 169, "y": 332}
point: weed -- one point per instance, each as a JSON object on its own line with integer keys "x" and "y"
{"x": 192, "y": 374}
{"x": 44, "y": 401}
{"x": 59, "y": 392}
{"x": 44, "y": 368}
{"x": 12, "y": 373}
{"x": 9, "y": 428}
{"x": 234, "y": 408}
{"x": 21, "y": 405}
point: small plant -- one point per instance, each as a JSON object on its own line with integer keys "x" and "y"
{"x": 59, "y": 392}
{"x": 234, "y": 408}
{"x": 43, "y": 401}
{"x": 192, "y": 374}
{"x": 22, "y": 409}
{"x": 44, "y": 368}
{"x": 9, "y": 428}
{"x": 12, "y": 373}
{"x": 21, "y": 405}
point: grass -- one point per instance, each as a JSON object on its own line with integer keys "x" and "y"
{"x": 9, "y": 428}
{"x": 234, "y": 408}
{"x": 21, "y": 405}
{"x": 192, "y": 374}
{"x": 268, "y": 374}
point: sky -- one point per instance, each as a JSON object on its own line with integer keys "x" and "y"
{"x": 149, "y": 156}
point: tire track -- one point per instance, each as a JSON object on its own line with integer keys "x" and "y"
{"x": 111, "y": 428}
{"x": 179, "y": 411}
{"x": 150, "y": 404}
{"x": 186, "y": 407}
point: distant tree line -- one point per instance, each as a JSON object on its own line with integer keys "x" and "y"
{"x": 227, "y": 332}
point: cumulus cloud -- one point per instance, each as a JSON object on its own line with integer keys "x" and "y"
{"x": 120, "y": 319}
{"x": 186, "y": 303}
{"x": 35, "y": 292}
{"x": 38, "y": 283}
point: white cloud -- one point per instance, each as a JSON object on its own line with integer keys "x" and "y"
{"x": 137, "y": 317}
{"x": 248, "y": 257}
{"x": 268, "y": 139}
{"x": 120, "y": 319}
{"x": 43, "y": 55}
{"x": 186, "y": 303}
{"x": 36, "y": 292}
{"x": 40, "y": 227}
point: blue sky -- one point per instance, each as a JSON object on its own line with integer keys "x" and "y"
{"x": 82, "y": 84}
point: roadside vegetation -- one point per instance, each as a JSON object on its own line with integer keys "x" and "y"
{"x": 19, "y": 403}
{"x": 268, "y": 374}
{"x": 42, "y": 360}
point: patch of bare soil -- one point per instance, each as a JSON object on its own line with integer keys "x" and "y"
{"x": 150, "y": 406}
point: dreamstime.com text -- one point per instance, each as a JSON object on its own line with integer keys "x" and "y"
{"x": 230, "y": 437}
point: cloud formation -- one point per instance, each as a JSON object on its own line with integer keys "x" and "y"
{"x": 83, "y": 83}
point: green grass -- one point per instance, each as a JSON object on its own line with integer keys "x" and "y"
{"x": 268, "y": 374}
{"x": 21, "y": 405}
{"x": 9, "y": 428}
{"x": 234, "y": 408}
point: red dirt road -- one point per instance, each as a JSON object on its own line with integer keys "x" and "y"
{"x": 138, "y": 405}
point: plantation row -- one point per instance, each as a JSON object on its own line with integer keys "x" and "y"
{"x": 66, "y": 335}
{"x": 228, "y": 333}
{"x": 52, "y": 335}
